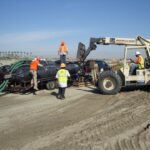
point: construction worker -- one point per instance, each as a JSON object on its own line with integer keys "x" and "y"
{"x": 62, "y": 77}
{"x": 94, "y": 71}
{"x": 33, "y": 69}
{"x": 63, "y": 51}
{"x": 137, "y": 64}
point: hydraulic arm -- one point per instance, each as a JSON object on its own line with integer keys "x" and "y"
{"x": 83, "y": 52}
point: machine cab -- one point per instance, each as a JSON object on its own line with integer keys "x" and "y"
{"x": 139, "y": 76}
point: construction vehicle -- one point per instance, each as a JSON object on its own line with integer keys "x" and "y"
{"x": 111, "y": 82}
{"x": 17, "y": 77}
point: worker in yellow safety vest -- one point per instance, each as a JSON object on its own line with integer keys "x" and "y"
{"x": 62, "y": 77}
{"x": 137, "y": 64}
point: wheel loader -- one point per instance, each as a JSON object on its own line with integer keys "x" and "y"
{"x": 111, "y": 82}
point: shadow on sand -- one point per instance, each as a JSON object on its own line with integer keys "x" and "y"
{"x": 54, "y": 94}
{"x": 95, "y": 90}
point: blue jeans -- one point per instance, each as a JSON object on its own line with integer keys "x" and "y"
{"x": 63, "y": 59}
{"x": 133, "y": 69}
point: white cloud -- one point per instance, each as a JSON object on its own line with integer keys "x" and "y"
{"x": 13, "y": 38}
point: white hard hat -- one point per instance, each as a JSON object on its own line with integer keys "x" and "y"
{"x": 137, "y": 53}
{"x": 34, "y": 59}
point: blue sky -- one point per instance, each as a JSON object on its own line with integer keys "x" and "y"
{"x": 40, "y": 25}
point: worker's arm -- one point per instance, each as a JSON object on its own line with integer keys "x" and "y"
{"x": 68, "y": 74}
{"x": 59, "y": 51}
{"x": 57, "y": 74}
{"x": 66, "y": 48}
{"x": 132, "y": 61}
{"x": 40, "y": 65}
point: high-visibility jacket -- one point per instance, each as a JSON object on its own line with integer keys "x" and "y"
{"x": 63, "y": 49}
{"x": 140, "y": 62}
{"x": 62, "y": 76}
{"x": 34, "y": 65}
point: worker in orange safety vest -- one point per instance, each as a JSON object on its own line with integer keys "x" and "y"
{"x": 33, "y": 69}
{"x": 63, "y": 51}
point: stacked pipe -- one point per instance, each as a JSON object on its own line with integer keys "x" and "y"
{"x": 5, "y": 82}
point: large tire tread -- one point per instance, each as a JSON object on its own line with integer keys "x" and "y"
{"x": 113, "y": 76}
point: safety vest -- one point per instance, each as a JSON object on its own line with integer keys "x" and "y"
{"x": 62, "y": 76}
{"x": 63, "y": 49}
{"x": 34, "y": 65}
{"x": 140, "y": 62}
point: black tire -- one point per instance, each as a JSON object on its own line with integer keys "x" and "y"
{"x": 109, "y": 82}
{"x": 51, "y": 85}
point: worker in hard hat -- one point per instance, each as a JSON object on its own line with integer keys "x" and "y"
{"x": 137, "y": 64}
{"x": 63, "y": 51}
{"x": 62, "y": 77}
{"x": 33, "y": 69}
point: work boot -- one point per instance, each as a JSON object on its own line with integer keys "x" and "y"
{"x": 36, "y": 89}
{"x": 34, "y": 92}
{"x": 63, "y": 97}
{"x": 59, "y": 97}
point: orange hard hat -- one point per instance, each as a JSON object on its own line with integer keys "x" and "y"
{"x": 62, "y": 65}
{"x": 62, "y": 42}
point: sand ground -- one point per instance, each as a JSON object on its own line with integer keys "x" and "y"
{"x": 85, "y": 120}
